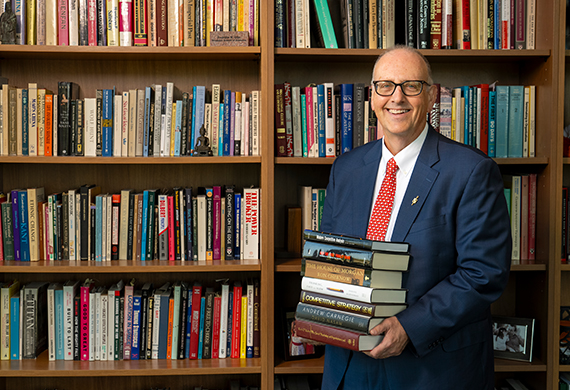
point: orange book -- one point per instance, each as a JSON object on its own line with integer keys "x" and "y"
{"x": 48, "y": 130}
{"x": 170, "y": 327}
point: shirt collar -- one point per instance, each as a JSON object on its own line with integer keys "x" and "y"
{"x": 406, "y": 158}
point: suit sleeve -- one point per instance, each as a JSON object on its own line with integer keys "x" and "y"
{"x": 457, "y": 306}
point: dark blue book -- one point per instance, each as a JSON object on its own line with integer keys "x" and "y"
{"x": 137, "y": 318}
{"x": 24, "y": 236}
{"x": 237, "y": 218}
{"x": 188, "y": 324}
{"x": 227, "y": 122}
{"x": 25, "y": 138}
{"x": 16, "y": 223}
{"x": 107, "y": 119}
{"x": 188, "y": 223}
{"x": 346, "y": 93}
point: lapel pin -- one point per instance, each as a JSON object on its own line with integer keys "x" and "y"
{"x": 415, "y": 200}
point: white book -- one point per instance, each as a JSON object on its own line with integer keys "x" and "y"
{"x": 97, "y": 323}
{"x": 251, "y": 228}
{"x": 19, "y": 122}
{"x": 226, "y": 12}
{"x": 165, "y": 130}
{"x": 216, "y": 91}
{"x": 530, "y": 24}
{"x": 157, "y": 119}
{"x": 139, "y": 132}
{"x": 73, "y": 22}
{"x": 90, "y": 107}
{"x": 173, "y": 27}
{"x": 201, "y": 205}
{"x": 69, "y": 291}
{"x": 296, "y": 121}
{"x": 109, "y": 224}
{"x": 92, "y": 325}
{"x": 255, "y": 132}
{"x": 132, "y": 122}
{"x": 299, "y": 24}
{"x": 305, "y": 200}
{"x": 245, "y": 126}
{"x": 307, "y": 22}
{"x": 354, "y": 292}
{"x": 112, "y": 22}
{"x": 71, "y": 195}
{"x": 124, "y": 147}
{"x": 155, "y": 326}
{"x": 118, "y": 126}
{"x": 50, "y": 320}
{"x": 111, "y": 324}
{"x": 32, "y": 120}
{"x": 104, "y": 321}
{"x": 223, "y": 353}
{"x": 532, "y": 122}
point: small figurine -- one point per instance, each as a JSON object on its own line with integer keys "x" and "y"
{"x": 202, "y": 147}
{"x": 8, "y": 25}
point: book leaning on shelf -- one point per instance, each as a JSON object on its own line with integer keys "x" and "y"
{"x": 346, "y": 292}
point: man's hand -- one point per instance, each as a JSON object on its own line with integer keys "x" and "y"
{"x": 394, "y": 342}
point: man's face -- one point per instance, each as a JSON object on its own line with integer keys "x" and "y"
{"x": 402, "y": 116}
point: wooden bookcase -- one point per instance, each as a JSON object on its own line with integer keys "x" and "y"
{"x": 534, "y": 291}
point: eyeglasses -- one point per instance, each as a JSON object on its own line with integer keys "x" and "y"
{"x": 409, "y": 88}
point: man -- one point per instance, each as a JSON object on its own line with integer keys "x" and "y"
{"x": 448, "y": 203}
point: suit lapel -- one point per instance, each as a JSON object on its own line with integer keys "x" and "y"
{"x": 421, "y": 182}
{"x": 364, "y": 182}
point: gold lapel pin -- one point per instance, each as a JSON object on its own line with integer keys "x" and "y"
{"x": 415, "y": 200}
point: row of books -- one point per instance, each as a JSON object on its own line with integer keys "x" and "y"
{"x": 423, "y": 24}
{"x": 133, "y": 22}
{"x": 349, "y": 286}
{"x": 129, "y": 321}
{"x": 152, "y": 121}
{"x": 214, "y": 223}
{"x": 312, "y": 202}
{"x": 500, "y": 120}
{"x": 326, "y": 120}
{"x": 521, "y": 194}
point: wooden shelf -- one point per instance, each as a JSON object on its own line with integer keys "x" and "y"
{"x": 41, "y": 367}
{"x": 130, "y": 160}
{"x": 503, "y": 365}
{"x": 305, "y": 366}
{"x": 128, "y": 266}
{"x": 126, "y": 53}
{"x": 352, "y": 55}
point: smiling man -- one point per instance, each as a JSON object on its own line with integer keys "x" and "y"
{"x": 446, "y": 200}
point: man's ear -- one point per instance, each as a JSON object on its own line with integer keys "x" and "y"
{"x": 432, "y": 95}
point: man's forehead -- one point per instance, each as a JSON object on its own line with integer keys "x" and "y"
{"x": 412, "y": 61}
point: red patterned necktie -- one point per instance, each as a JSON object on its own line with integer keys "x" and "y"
{"x": 383, "y": 205}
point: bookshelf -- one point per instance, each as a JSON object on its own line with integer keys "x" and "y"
{"x": 534, "y": 290}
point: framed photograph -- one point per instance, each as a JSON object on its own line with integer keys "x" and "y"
{"x": 294, "y": 348}
{"x": 513, "y": 338}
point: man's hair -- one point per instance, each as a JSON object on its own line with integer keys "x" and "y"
{"x": 409, "y": 50}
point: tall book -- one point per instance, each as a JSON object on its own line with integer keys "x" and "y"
{"x": 35, "y": 319}
{"x": 67, "y": 91}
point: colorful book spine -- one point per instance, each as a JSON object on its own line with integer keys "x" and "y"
{"x": 24, "y": 232}
{"x": 346, "y": 91}
{"x": 126, "y": 20}
{"x": 107, "y": 122}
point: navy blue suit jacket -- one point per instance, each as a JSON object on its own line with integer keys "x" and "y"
{"x": 460, "y": 242}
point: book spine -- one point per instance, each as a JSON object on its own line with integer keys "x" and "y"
{"x": 236, "y": 322}
{"x": 329, "y": 335}
{"x": 84, "y": 323}
{"x": 126, "y": 21}
{"x": 332, "y": 317}
{"x": 328, "y": 301}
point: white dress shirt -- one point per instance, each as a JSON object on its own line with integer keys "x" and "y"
{"x": 406, "y": 161}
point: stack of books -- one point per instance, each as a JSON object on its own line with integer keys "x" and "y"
{"x": 349, "y": 286}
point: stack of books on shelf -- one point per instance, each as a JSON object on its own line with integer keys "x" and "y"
{"x": 135, "y": 22}
{"x": 326, "y": 120}
{"x": 214, "y": 223}
{"x": 130, "y": 321}
{"x": 520, "y": 193}
{"x": 349, "y": 286}
{"x": 157, "y": 120}
{"x": 423, "y": 24}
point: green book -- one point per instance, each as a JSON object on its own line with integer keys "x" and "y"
{"x": 325, "y": 25}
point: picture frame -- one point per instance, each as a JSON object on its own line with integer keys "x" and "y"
{"x": 296, "y": 349}
{"x": 513, "y": 338}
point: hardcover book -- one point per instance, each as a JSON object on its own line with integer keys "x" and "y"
{"x": 351, "y": 306}
{"x": 352, "y": 321}
{"x": 35, "y": 319}
{"x": 351, "y": 256}
{"x": 356, "y": 242}
{"x": 343, "y": 338}
{"x": 357, "y": 293}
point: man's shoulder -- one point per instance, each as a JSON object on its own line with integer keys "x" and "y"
{"x": 357, "y": 155}
{"x": 453, "y": 150}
